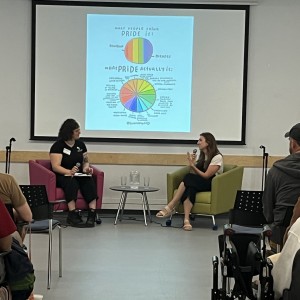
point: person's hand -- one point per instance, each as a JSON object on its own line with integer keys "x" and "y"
{"x": 89, "y": 171}
{"x": 194, "y": 156}
{"x": 190, "y": 158}
{"x": 74, "y": 170}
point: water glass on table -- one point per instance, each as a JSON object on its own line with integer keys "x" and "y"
{"x": 123, "y": 180}
{"x": 146, "y": 181}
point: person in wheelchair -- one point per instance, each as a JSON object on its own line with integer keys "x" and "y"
{"x": 209, "y": 164}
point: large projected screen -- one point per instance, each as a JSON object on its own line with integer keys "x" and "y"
{"x": 139, "y": 72}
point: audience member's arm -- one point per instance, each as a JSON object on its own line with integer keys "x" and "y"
{"x": 23, "y": 213}
{"x": 5, "y": 243}
{"x": 269, "y": 199}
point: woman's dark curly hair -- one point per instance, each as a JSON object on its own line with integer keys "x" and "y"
{"x": 66, "y": 130}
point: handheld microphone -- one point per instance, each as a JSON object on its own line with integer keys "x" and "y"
{"x": 195, "y": 151}
{"x": 78, "y": 165}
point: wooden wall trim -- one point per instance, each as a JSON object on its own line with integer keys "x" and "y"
{"x": 149, "y": 159}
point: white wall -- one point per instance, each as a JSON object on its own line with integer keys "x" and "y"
{"x": 272, "y": 101}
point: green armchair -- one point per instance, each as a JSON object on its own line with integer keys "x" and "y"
{"x": 219, "y": 200}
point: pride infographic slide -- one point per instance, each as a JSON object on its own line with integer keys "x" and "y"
{"x": 139, "y": 73}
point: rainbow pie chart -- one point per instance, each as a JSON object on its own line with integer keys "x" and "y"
{"x": 138, "y": 50}
{"x": 137, "y": 95}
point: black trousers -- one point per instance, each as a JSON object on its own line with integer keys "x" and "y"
{"x": 193, "y": 184}
{"x": 72, "y": 184}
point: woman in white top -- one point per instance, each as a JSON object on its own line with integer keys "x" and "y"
{"x": 209, "y": 164}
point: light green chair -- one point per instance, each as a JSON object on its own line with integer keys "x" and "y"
{"x": 219, "y": 200}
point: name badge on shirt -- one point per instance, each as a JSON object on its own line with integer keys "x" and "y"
{"x": 67, "y": 151}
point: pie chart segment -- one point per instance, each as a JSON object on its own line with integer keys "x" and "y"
{"x": 128, "y": 103}
{"x": 143, "y": 105}
{"x": 137, "y": 95}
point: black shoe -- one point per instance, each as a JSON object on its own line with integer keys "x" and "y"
{"x": 90, "y": 222}
{"x": 74, "y": 219}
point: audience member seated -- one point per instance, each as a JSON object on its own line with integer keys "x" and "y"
{"x": 68, "y": 156}
{"x": 283, "y": 261}
{"x": 11, "y": 194}
{"x": 19, "y": 270}
{"x": 202, "y": 171}
{"x": 7, "y": 227}
{"x": 282, "y": 187}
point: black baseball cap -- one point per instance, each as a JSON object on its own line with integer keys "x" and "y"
{"x": 294, "y": 133}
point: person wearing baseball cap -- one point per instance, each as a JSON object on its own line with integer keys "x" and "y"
{"x": 294, "y": 133}
{"x": 283, "y": 190}
{"x": 282, "y": 187}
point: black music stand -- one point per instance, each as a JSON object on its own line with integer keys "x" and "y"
{"x": 264, "y": 167}
{"x": 7, "y": 156}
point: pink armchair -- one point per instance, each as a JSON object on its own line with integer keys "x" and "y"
{"x": 40, "y": 173}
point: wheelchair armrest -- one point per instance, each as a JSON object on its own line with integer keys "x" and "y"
{"x": 266, "y": 232}
{"x": 228, "y": 230}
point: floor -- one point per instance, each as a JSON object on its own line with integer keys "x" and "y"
{"x": 130, "y": 260}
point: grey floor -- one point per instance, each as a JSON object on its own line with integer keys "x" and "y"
{"x": 130, "y": 261}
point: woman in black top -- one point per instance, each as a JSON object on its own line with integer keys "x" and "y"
{"x": 68, "y": 156}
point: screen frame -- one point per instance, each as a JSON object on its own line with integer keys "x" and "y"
{"x": 246, "y": 8}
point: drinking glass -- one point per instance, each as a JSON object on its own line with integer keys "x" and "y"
{"x": 123, "y": 180}
{"x": 146, "y": 181}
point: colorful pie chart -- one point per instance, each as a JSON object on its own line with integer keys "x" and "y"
{"x": 137, "y": 95}
{"x": 138, "y": 50}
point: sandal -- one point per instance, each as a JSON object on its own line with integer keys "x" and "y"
{"x": 165, "y": 212}
{"x": 187, "y": 225}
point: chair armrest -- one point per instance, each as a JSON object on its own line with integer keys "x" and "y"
{"x": 98, "y": 176}
{"x": 39, "y": 175}
{"x": 224, "y": 187}
{"x": 174, "y": 179}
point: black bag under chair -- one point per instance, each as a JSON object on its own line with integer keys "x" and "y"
{"x": 242, "y": 256}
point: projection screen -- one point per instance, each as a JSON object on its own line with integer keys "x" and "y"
{"x": 139, "y": 72}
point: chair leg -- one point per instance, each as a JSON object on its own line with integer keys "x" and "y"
{"x": 215, "y": 227}
{"x": 60, "y": 251}
{"x": 49, "y": 254}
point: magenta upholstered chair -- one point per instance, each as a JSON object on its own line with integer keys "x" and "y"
{"x": 40, "y": 173}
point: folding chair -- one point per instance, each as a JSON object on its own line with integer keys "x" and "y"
{"x": 42, "y": 212}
